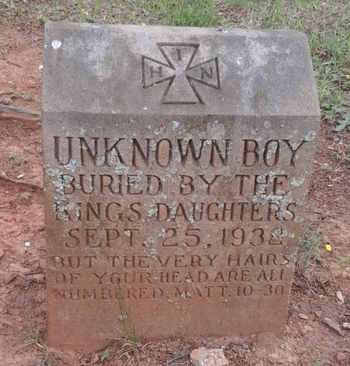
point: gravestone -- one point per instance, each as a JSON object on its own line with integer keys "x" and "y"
{"x": 177, "y": 164}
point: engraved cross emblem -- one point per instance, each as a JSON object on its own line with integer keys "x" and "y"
{"x": 180, "y": 73}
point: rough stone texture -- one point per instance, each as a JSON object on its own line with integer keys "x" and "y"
{"x": 177, "y": 164}
{"x": 208, "y": 357}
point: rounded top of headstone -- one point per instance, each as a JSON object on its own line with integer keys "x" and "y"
{"x": 128, "y": 69}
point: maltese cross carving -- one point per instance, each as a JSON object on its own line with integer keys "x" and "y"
{"x": 178, "y": 70}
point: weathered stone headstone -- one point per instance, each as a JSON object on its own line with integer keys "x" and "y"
{"x": 177, "y": 164}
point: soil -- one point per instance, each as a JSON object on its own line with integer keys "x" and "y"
{"x": 320, "y": 293}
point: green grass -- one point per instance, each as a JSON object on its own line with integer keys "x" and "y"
{"x": 16, "y": 159}
{"x": 325, "y": 22}
{"x": 317, "y": 363}
{"x": 308, "y": 248}
{"x": 326, "y": 25}
{"x": 199, "y": 13}
{"x": 34, "y": 336}
{"x": 342, "y": 153}
{"x": 344, "y": 262}
{"x": 194, "y": 13}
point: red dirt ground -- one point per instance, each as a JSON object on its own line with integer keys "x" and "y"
{"x": 308, "y": 339}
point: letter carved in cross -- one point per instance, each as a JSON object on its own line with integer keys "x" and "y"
{"x": 180, "y": 73}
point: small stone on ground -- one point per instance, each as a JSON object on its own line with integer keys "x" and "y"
{"x": 341, "y": 356}
{"x": 208, "y": 357}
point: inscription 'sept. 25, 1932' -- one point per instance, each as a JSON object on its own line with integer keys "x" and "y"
{"x": 172, "y": 189}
